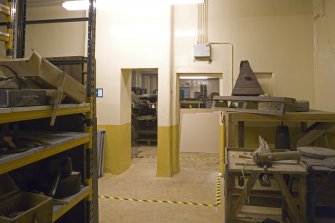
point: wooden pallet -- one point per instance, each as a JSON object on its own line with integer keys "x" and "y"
{"x": 148, "y": 141}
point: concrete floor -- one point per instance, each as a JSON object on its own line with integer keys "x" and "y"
{"x": 196, "y": 182}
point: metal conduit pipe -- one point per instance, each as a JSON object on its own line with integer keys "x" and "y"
{"x": 199, "y": 26}
{"x": 206, "y": 22}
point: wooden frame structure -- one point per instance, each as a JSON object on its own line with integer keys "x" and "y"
{"x": 293, "y": 203}
{"x": 235, "y": 121}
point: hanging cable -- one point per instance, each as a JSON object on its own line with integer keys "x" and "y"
{"x": 15, "y": 74}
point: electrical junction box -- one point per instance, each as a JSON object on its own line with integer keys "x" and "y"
{"x": 202, "y": 51}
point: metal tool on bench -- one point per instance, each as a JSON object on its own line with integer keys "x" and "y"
{"x": 267, "y": 159}
{"x": 263, "y": 157}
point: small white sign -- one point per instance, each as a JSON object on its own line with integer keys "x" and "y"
{"x": 99, "y": 92}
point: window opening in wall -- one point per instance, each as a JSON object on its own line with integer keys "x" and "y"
{"x": 144, "y": 108}
{"x": 198, "y": 91}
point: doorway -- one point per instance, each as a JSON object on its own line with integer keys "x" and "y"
{"x": 144, "y": 95}
{"x": 199, "y": 125}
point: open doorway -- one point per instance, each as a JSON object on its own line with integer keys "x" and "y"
{"x": 199, "y": 125}
{"x": 144, "y": 94}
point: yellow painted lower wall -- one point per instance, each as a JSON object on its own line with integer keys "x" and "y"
{"x": 175, "y": 148}
{"x": 268, "y": 133}
{"x": 168, "y": 151}
{"x": 118, "y": 148}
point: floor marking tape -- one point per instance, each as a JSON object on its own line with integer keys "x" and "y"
{"x": 157, "y": 201}
{"x": 218, "y": 191}
{"x": 182, "y": 158}
{"x": 218, "y": 198}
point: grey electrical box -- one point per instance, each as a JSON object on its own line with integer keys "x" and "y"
{"x": 202, "y": 51}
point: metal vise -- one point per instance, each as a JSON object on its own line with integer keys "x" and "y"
{"x": 267, "y": 159}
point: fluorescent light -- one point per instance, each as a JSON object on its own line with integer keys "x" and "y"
{"x": 103, "y": 4}
{"x": 194, "y": 77}
{"x": 185, "y": 2}
{"x": 76, "y": 5}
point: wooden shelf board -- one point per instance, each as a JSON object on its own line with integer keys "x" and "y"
{"x": 313, "y": 115}
{"x": 59, "y": 210}
{"x": 35, "y": 112}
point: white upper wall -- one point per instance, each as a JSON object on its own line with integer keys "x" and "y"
{"x": 58, "y": 39}
{"x": 131, "y": 36}
{"x": 324, "y": 24}
{"x": 275, "y": 36}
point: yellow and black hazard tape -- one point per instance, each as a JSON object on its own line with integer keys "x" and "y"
{"x": 218, "y": 191}
{"x": 198, "y": 159}
{"x": 148, "y": 157}
{"x": 218, "y": 198}
{"x": 181, "y": 158}
{"x": 157, "y": 201}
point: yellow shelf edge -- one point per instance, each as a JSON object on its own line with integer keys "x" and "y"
{"x": 4, "y": 9}
{"x": 36, "y": 114}
{"x": 4, "y": 37}
{"x": 69, "y": 206}
{"x": 4, "y": 168}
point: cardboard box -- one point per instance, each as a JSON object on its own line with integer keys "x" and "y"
{"x": 21, "y": 207}
{"x": 45, "y": 75}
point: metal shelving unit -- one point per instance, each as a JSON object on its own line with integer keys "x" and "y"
{"x": 59, "y": 210}
{"x": 29, "y": 113}
{"x": 87, "y": 140}
{"x": 14, "y": 162}
{"x": 9, "y": 10}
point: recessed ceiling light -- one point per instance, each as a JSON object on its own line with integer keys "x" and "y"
{"x": 76, "y": 5}
{"x": 185, "y": 2}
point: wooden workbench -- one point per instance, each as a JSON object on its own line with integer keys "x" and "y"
{"x": 235, "y": 121}
{"x": 320, "y": 186}
{"x": 292, "y": 203}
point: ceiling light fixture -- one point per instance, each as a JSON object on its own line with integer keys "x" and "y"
{"x": 194, "y": 77}
{"x": 185, "y": 2}
{"x": 84, "y": 4}
{"x": 76, "y": 5}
